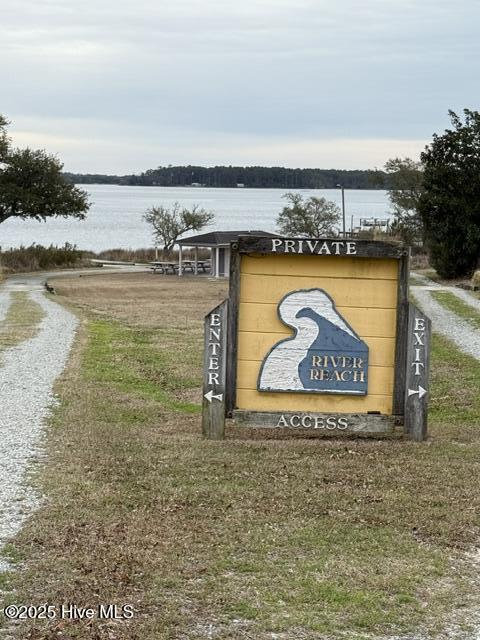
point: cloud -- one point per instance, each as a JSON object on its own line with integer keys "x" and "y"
{"x": 268, "y": 71}
{"x": 102, "y": 148}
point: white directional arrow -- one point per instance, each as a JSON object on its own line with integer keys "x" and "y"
{"x": 210, "y": 396}
{"x": 421, "y": 392}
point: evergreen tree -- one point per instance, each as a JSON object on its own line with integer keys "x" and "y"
{"x": 450, "y": 204}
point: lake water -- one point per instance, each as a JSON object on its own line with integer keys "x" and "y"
{"x": 115, "y": 218}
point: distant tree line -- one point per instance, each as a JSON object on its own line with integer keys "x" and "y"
{"x": 253, "y": 177}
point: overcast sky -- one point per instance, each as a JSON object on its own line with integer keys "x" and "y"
{"x": 118, "y": 87}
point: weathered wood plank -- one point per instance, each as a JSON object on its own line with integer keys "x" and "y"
{"x": 369, "y": 322}
{"x": 334, "y": 424}
{"x": 214, "y": 372}
{"x": 402, "y": 331}
{"x": 254, "y": 346}
{"x": 417, "y": 374}
{"x": 232, "y": 336}
{"x": 321, "y": 247}
{"x": 271, "y": 289}
{"x": 380, "y": 379}
{"x": 328, "y": 267}
{"x": 253, "y": 400}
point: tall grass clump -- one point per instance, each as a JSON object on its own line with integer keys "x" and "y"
{"x": 37, "y": 258}
{"x": 129, "y": 255}
{"x": 148, "y": 255}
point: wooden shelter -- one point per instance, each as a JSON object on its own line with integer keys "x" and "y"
{"x": 218, "y": 242}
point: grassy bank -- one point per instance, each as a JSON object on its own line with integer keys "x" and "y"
{"x": 245, "y": 538}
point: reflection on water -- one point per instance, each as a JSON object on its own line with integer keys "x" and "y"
{"x": 115, "y": 218}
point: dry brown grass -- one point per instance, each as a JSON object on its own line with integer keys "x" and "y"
{"x": 306, "y": 539}
{"x": 144, "y": 299}
{"x": 148, "y": 255}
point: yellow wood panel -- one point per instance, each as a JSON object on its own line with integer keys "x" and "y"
{"x": 255, "y": 346}
{"x": 255, "y": 401}
{"x": 345, "y": 293}
{"x": 366, "y": 322}
{"x": 324, "y": 266}
{"x": 380, "y": 379}
{"x": 365, "y": 294}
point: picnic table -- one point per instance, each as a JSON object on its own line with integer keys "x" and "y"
{"x": 202, "y": 265}
{"x": 164, "y": 267}
{"x": 172, "y": 267}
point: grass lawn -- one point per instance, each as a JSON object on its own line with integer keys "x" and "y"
{"x": 247, "y": 538}
{"x": 453, "y": 303}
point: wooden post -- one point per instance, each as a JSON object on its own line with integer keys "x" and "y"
{"x": 418, "y": 365}
{"x": 402, "y": 333}
{"x": 232, "y": 339}
{"x": 212, "y": 261}
{"x": 180, "y": 267}
{"x": 195, "y": 253}
{"x": 214, "y": 370}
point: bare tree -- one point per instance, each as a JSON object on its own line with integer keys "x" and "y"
{"x": 170, "y": 223}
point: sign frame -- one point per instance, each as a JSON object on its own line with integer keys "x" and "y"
{"x": 367, "y": 423}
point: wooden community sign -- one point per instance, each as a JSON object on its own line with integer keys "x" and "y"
{"x": 317, "y": 335}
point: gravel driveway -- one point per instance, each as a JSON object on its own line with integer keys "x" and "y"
{"x": 444, "y": 321}
{"x": 27, "y": 375}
